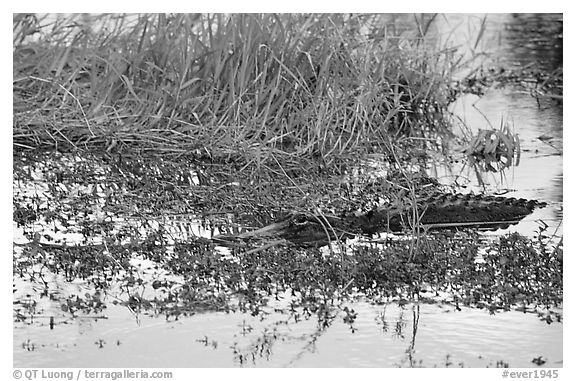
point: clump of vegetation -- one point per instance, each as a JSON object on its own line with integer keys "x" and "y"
{"x": 494, "y": 150}
{"x": 262, "y": 87}
{"x": 542, "y": 84}
{"x": 514, "y": 270}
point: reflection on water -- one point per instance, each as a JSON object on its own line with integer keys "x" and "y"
{"x": 532, "y": 41}
{"x": 383, "y": 336}
{"x": 540, "y": 173}
{"x": 507, "y": 40}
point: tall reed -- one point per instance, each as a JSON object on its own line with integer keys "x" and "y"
{"x": 303, "y": 85}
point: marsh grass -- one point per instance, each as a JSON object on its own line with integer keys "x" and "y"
{"x": 264, "y": 88}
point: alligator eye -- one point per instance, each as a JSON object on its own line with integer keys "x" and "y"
{"x": 300, "y": 220}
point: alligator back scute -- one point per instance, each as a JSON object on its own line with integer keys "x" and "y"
{"x": 475, "y": 210}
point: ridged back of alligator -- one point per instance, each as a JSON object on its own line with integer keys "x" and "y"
{"x": 479, "y": 201}
{"x": 460, "y": 208}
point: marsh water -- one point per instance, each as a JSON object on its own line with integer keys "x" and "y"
{"x": 529, "y": 42}
{"x": 383, "y": 335}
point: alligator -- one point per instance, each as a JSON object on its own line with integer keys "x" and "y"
{"x": 439, "y": 211}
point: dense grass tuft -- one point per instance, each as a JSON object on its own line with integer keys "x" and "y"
{"x": 249, "y": 85}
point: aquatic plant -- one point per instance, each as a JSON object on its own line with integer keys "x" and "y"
{"x": 494, "y": 150}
